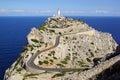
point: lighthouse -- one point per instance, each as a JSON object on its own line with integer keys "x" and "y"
{"x": 58, "y": 13}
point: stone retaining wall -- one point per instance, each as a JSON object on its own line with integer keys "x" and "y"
{"x": 86, "y": 75}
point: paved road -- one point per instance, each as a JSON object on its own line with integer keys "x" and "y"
{"x": 31, "y": 67}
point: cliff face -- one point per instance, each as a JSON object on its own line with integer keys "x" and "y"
{"x": 60, "y": 48}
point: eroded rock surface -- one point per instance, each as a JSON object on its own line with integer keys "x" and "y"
{"x": 63, "y": 43}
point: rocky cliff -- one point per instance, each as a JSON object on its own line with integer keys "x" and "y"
{"x": 63, "y": 49}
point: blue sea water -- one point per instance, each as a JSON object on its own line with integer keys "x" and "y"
{"x": 13, "y": 32}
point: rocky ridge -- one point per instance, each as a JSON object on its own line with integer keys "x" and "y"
{"x": 80, "y": 47}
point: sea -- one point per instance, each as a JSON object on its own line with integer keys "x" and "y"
{"x": 14, "y": 30}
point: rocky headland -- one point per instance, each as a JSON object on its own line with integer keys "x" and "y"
{"x": 64, "y": 49}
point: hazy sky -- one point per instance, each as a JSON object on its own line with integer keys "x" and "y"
{"x": 68, "y": 7}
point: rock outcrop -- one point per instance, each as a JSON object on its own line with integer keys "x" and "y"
{"x": 63, "y": 49}
{"x": 34, "y": 35}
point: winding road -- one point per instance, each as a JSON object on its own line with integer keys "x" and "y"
{"x": 31, "y": 67}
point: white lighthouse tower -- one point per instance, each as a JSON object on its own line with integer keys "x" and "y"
{"x": 58, "y": 13}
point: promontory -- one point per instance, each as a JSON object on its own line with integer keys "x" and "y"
{"x": 64, "y": 49}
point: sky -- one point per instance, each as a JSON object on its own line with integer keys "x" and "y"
{"x": 68, "y": 7}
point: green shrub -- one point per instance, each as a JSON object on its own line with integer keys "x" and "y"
{"x": 68, "y": 49}
{"x": 84, "y": 65}
{"x": 60, "y": 65}
{"x": 20, "y": 69}
{"x": 18, "y": 61}
{"x": 54, "y": 58}
{"x": 64, "y": 62}
{"x": 60, "y": 33}
{"x": 95, "y": 51}
{"x": 41, "y": 42}
{"x": 40, "y": 62}
{"x": 80, "y": 62}
{"x": 88, "y": 59}
{"x": 51, "y": 60}
{"x": 52, "y": 31}
{"x": 29, "y": 75}
{"x": 96, "y": 59}
{"x": 74, "y": 38}
{"x": 92, "y": 43}
{"x": 92, "y": 55}
{"x": 25, "y": 48}
{"x": 46, "y": 44}
{"x": 59, "y": 74}
{"x": 75, "y": 54}
{"x": 31, "y": 47}
{"x": 53, "y": 53}
{"x": 46, "y": 62}
{"x": 74, "y": 57}
{"x": 49, "y": 54}
{"x": 89, "y": 50}
{"x": 54, "y": 19}
{"x": 35, "y": 40}
{"x": 42, "y": 28}
{"x": 67, "y": 58}
{"x": 66, "y": 37}
{"x": 46, "y": 57}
